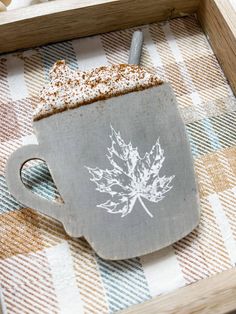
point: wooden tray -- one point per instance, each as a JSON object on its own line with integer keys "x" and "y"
{"x": 66, "y": 19}
{"x": 61, "y": 20}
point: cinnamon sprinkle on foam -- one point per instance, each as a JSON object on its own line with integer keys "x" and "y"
{"x": 69, "y": 89}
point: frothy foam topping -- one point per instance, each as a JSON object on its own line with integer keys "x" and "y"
{"x": 69, "y": 89}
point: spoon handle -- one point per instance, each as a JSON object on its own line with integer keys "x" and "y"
{"x": 136, "y": 48}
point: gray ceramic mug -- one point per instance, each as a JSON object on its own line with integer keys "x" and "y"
{"x": 123, "y": 168}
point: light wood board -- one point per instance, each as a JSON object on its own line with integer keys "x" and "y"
{"x": 61, "y": 20}
{"x": 215, "y": 295}
{"x": 218, "y": 20}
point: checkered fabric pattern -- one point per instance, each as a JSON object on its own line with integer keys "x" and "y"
{"x": 42, "y": 270}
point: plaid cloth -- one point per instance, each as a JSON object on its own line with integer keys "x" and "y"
{"x": 42, "y": 270}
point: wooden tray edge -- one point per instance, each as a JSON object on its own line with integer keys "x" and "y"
{"x": 214, "y": 295}
{"x": 57, "y": 21}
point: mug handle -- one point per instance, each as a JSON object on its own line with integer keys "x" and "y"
{"x": 20, "y": 191}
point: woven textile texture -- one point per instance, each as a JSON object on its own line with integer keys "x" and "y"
{"x": 44, "y": 271}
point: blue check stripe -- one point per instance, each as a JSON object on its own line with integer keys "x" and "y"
{"x": 124, "y": 282}
{"x": 212, "y": 134}
{"x": 39, "y": 180}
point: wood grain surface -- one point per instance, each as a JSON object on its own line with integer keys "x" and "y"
{"x": 218, "y": 19}
{"x": 60, "y": 20}
{"x": 215, "y": 295}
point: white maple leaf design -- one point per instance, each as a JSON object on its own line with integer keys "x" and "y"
{"x": 132, "y": 178}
